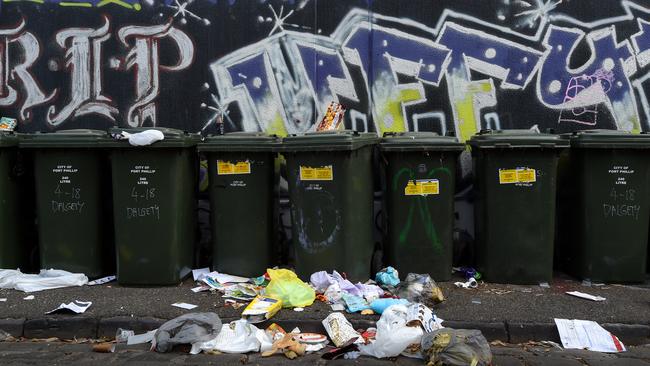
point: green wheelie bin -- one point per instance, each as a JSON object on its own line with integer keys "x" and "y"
{"x": 14, "y": 205}
{"x": 241, "y": 185}
{"x": 330, "y": 178}
{"x": 605, "y": 229}
{"x": 154, "y": 207}
{"x": 420, "y": 171}
{"x": 72, "y": 200}
{"x": 515, "y": 182}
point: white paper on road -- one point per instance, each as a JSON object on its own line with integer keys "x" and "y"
{"x": 47, "y": 279}
{"x": 226, "y": 278}
{"x": 103, "y": 280}
{"x": 30, "y": 297}
{"x": 585, "y": 296}
{"x": 200, "y": 288}
{"x": 77, "y": 307}
{"x": 3, "y": 300}
{"x": 141, "y": 338}
{"x": 589, "y": 335}
{"x": 184, "y": 305}
{"x": 198, "y": 274}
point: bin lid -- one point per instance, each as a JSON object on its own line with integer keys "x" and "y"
{"x": 173, "y": 138}
{"x": 419, "y": 141}
{"x": 64, "y": 139}
{"x": 609, "y": 139}
{"x": 240, "y": 141}
{"x": 345, "y": 140}
{"x": 496, "y": 139}
{"x": 8, "y": 139}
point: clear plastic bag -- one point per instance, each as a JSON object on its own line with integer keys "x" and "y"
{"x": 187, "y": 329}
{"x": 393, "y": 334}
{"x": 420, "y": 288}
{"x": 286, "y": 286}
{"x": 456, "y": 347}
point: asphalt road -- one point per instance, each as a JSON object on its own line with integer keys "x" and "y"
{"x": 57, "y": 353}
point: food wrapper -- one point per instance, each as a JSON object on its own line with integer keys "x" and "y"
{"x": 261, "y": 308}
{"x": 7, "y": 124}
{"x": 333, "y": 118}
{"x": 340, "y": 330}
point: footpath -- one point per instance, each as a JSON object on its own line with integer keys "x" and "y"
{"x": 506, "y": 313}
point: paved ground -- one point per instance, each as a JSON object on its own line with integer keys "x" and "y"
{"x": 57, "y": 353}
{"x": 489, "y": 303}
{"x": 502, "y": 312}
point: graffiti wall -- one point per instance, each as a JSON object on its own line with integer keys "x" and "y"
{"x": 451, "y": 66}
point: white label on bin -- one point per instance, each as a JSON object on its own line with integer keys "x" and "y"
{"x": 66, "y": 198}
{"x": 621, "y": 202}
{"x": 143, "y": 194}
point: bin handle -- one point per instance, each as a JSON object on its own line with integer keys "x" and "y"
{"x": 502, "y": 145}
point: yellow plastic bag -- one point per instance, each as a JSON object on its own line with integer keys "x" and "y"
{"x": 286, "y": 286}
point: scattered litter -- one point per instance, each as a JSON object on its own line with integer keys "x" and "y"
{"x": 232, "y": 303}
{"x": 198, "y": 274}
{"x": 394, "y": 334}
{"x": 200, "y": 288}
{"x": 141, "y": 338}
{"x": 311, "y": 338}
{"x": 420, "y": 288}
{"x": 105, "y": 347}
{"x": 236, "y": 337}
{"x": 498, "y": 343}
{"x": 585, "y": 296}
{"x": 338, "y": 307}
{"x": 45, "y": 280}
{"x": 544, "y": 285}
{"x": 240, "y": 291}
{"x": 224, "y": 278}
{"x": 298, "y": 309}
{"x": 497, "y": 291}
{"x": 334, "y": 286}
{"x": 122, "y": 335}
{"x": 471, "y": 283}
{"x": 333, "y": 117}
{"x": 146, "y": 137}
{"x": 367, "y": 312}
{"x": 354, "y": 303}
{"x": 476, "y": 301}
{"x": 30, "y": 297}
{"x": 286, "y": 286}
{"x": 261, "y": 308}
{"x": 190, "y": 328}
{"x": 4, "y": 299}
{"x": 340, "y": 330}
{"x": 4, "y": 336}
{"x": 184, "y": 305}
{"x": 76, "y": 307}
{"x": 379, "y": 305}
{"x": 456, "y": 347}
{"x": 589, "y": 335}
{"x": 101, "y": 281}
{"x": 468, "y": 272}
{"x": 387, "y": 276}
{"x": 349, "y": 346}
{"x": 586, "y": 283}
{"x": 290, "y": 347}
{"x": 352, "y": 355}
{"x": 8, "y": 124}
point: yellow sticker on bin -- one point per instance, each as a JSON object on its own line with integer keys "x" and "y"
{"x": 228, "y": 168}
{"x": 520, "y": 175}
{"x": 422, "y": 187}
{"x": 317, "y": 173}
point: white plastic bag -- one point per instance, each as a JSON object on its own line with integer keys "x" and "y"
{"x": 393, "y": 335}
{"x": 146, "y": 137}
{"x": 237, "y": 337}
{"x": 47, "y": 279}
